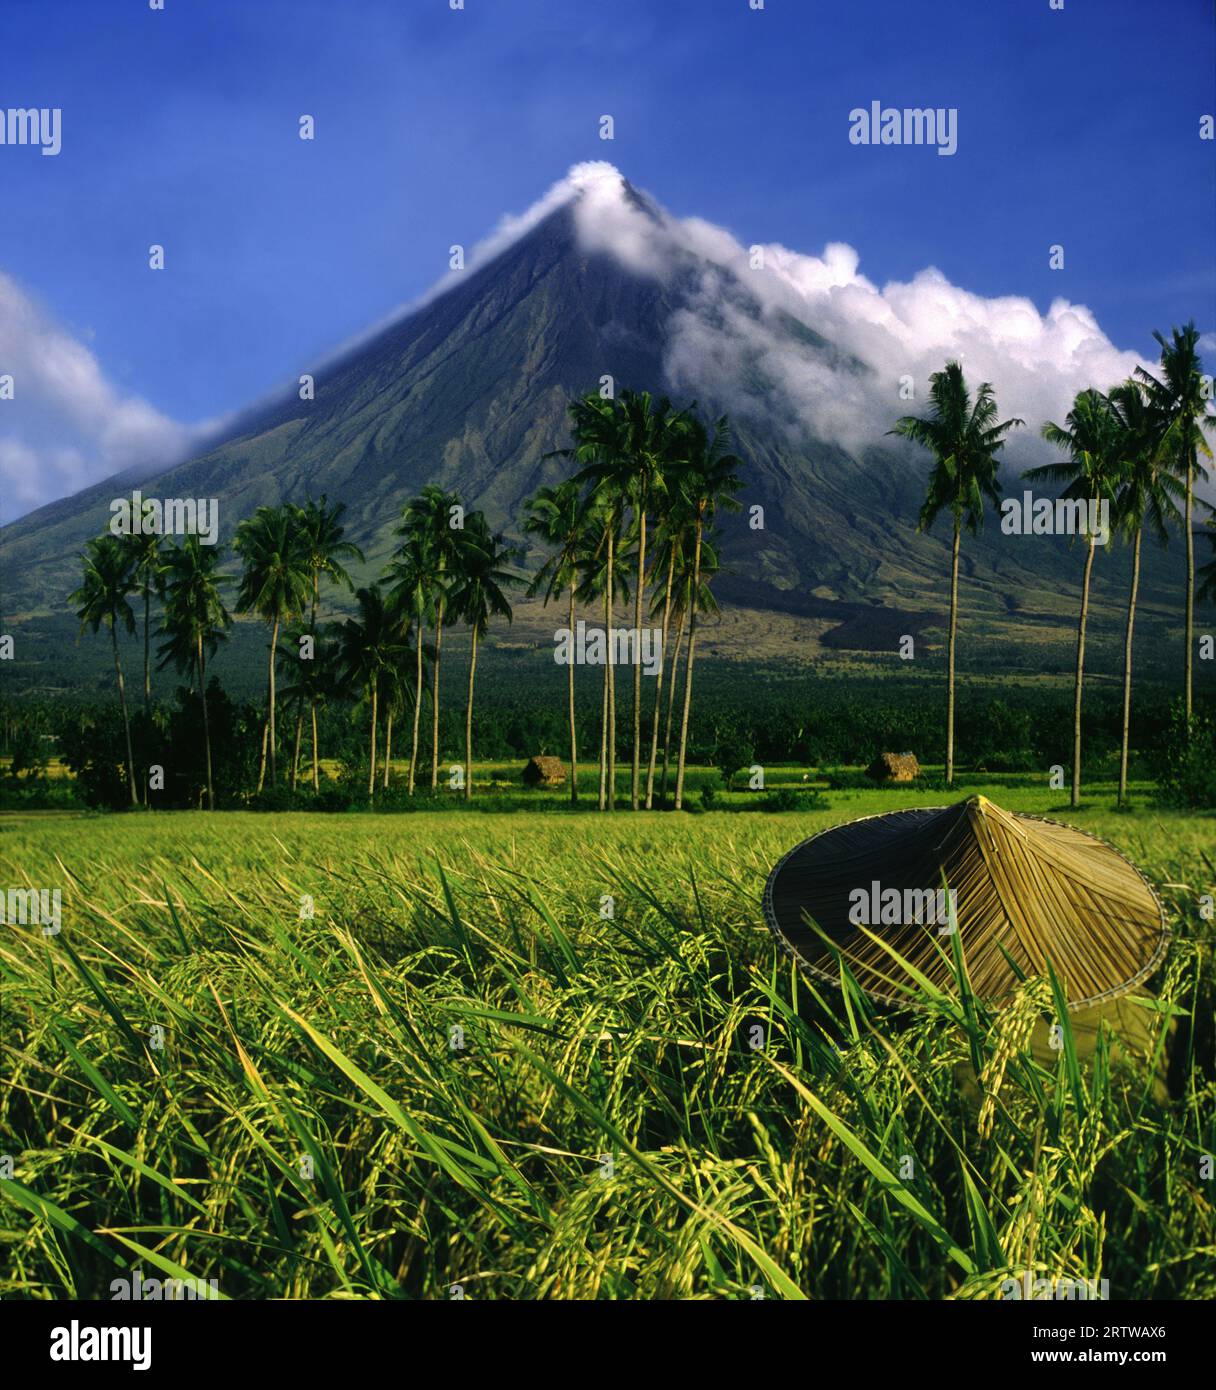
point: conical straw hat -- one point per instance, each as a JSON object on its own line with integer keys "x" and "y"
{"x": 1026, "y": 891}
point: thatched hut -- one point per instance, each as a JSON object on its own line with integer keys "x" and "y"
{"x": 894, "y": 767}
{"x": 544, "y": 771}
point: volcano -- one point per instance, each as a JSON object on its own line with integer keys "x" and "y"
{"x": 470, "y": 390}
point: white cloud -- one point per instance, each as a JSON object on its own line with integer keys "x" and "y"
{"x": 732, "y": 341}
{"x": 67, "y": 426}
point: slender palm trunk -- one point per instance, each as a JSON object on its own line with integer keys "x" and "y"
{"x": 312, "y": 704}
{"x": 417, "y": 711}
{"x": 950, "y": 658}
{"x": 603, "y": 797}
{"x": 274, "y": 651}
{"x": 635, "y": 774}
{"x": 610, "y": 674}
{"x": 435, "y": 696}
{"x": 468, "y": 723}
{"x": 126, "y": 719}
{"x": 202, "y": 694}
{"x": 316, "y": 764}
{"x": 1190, "y": 590}
{"x": 658, "y": 686}
{"x": 268, "y": 739}
{"x": 295, "y": 756}
{"x": 147, "y": 791}
{"x": 692, "y": 649}
{"x": 1076, "y": 698}
{"x": 570, "y": 703}
{"x": 147, "y": 648}
{"x": 388, "y": 745}
{"x": 262, "y": 755}
{"x": 671, "y": 707}
{"x": 371, "y": 774}
{"x": 1127, "y": 667}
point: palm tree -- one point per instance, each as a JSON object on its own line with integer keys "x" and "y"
{"x": 367, "y": 649}
{"x": 1179, "y": 403}
{"x": 558, "y": 516}
{"x": 194, "y": 620}
{"x": 410, "y": 595}
{"x": 708, "y": 481}
{"x": 673, "y": 543}
{"x": 146, "y": 571}
{"x": 1090, "y": 438}
{"x": 596, "y": 560}
{"x": 650, "y": 431}
{"x": 598, "y": 434}
{"x": 1146, "y": 493}
{"x": 394, "y": 694}
{"x": 309, "y": 683}
{"x": 107, "y": 579}
{"x": 321, "y": 533}
{"x": 964, "y": 438}
{"x": 681, "y": 607}
{"x": 275, "y": 585}
{"x": 477, "y": 595}
{"x": 431, "y": 517}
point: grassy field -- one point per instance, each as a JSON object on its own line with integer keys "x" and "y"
{"x": 382, "y": 1056}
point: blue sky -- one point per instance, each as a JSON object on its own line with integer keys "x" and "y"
{"x": 1078, "y": 127}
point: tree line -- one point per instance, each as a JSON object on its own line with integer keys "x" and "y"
{"x": 1138, "y": 449}
{"x": 634, "y": 523}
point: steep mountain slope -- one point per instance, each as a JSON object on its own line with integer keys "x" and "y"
{"x": 470, "y": 391}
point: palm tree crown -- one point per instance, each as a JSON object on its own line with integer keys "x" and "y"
{"x": 320, "y": 531}
{"x": 1147, "y": 489}
{"x": 478, "y": 587}
{"x": 1178, "y": 399}
{"x": 194, "y": 610}
{"x": 964, "y": 438}
{"x": 277, "y": 577}
{"x": 108, "y": 579}
{"x": 1090, "y": 437}
{"x": 557, "y": 516}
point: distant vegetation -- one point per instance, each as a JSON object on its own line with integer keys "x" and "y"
{"x": 821, "y": 725}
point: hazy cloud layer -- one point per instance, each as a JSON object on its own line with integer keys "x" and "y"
{"x": 66, "y": 425}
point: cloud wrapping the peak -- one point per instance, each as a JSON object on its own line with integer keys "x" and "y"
{"x": 733, "y": 341}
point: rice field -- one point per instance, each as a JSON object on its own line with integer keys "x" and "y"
{"x": 526, "y": 1056}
